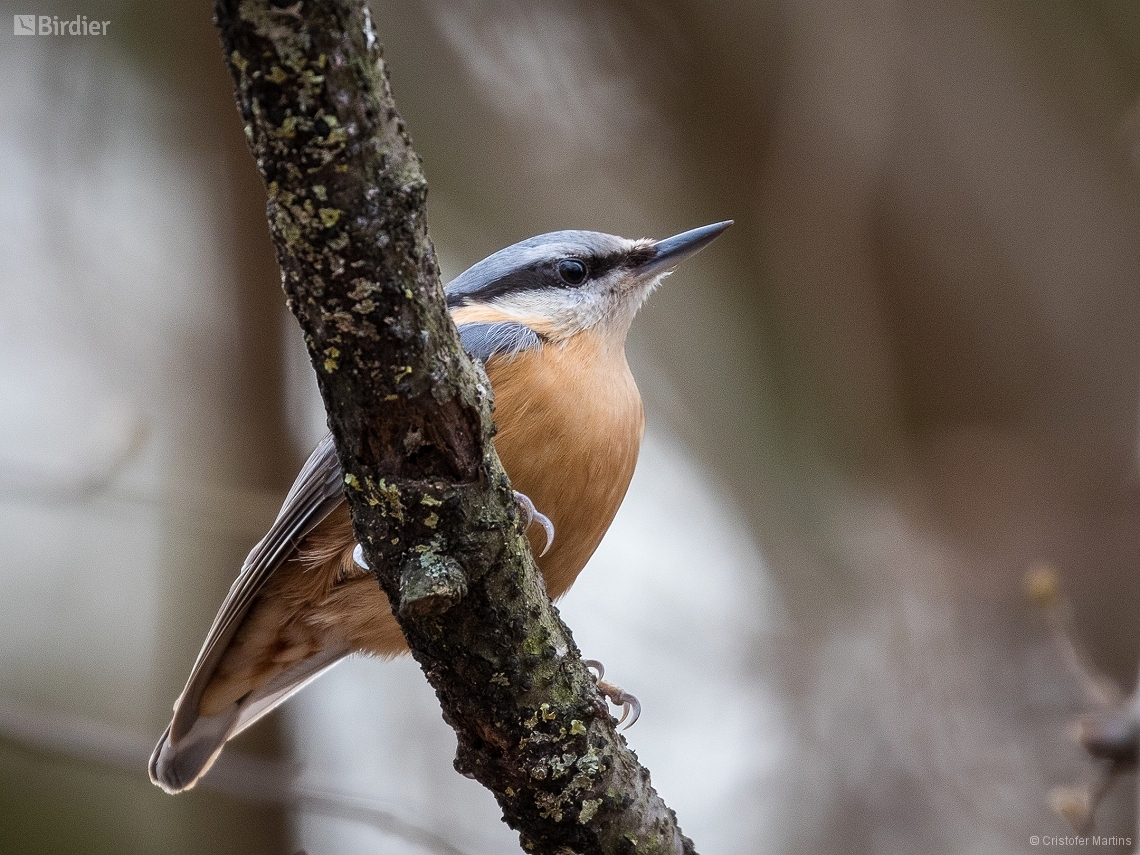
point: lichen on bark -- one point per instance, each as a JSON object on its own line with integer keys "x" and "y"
{"x": 412, "y": 419}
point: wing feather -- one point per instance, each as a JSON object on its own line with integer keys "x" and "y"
{"x": 484, "y": 340}
{"x": 192, "y": 741}
{"x": 317, "y": 490}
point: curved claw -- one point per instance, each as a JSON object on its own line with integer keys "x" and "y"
{"x": 358, "y": 558}
{"x": 619, "y": 696}
{"x": 531, "y": 515}
{"x": 616, "y": 695}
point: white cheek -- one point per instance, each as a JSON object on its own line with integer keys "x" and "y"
{"x": 570, "y": 311}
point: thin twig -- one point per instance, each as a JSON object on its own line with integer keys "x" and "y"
{"x": 1043, "y": 586}
{"x": 1110, "y": 731}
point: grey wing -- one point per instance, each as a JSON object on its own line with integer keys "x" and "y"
{"x": 317, "y": 490}
{"x": 484, "y": 340}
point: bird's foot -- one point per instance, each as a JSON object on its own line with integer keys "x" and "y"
{"x": 358, "y": 558}
{"x": 532, "y": 515}
{"x": 616, "y": 695}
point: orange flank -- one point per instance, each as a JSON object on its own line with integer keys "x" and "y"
{"x": 570, "y": 423}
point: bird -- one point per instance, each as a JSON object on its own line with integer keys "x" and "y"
{"x": 547, "y": 317}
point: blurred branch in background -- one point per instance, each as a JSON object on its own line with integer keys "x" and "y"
{"x": 142, "y": 447}
{"x": 1110, "y": 731}
{"x": 236, "y": 775}
{"x": 75, "y": 467}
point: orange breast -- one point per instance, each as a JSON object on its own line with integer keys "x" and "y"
{"x": 570, "y": 424}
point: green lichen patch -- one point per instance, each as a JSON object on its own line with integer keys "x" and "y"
{"x": 387, "y": 495}
{"x": 589, "y": 808}
{"x": 430, "y": 584}
{"x": 363, "y": 289}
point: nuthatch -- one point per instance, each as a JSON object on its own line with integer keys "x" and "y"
{"x": 548, "y": 319}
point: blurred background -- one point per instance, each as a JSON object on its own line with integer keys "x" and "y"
{"x": 910, "y": 370}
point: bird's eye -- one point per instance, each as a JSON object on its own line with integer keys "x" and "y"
{"x": 572, "y": 271}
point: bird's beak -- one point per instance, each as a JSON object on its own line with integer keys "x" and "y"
{"x": 672, "y": 251}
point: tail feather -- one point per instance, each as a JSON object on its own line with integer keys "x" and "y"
{"x": 177, "y": 766}
{"x": 178, "y": 763}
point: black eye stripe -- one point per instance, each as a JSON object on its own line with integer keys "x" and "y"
{"x": 537, "y": 277}
{"x": 600, "y": 265}
{"x": 515, "y": 282}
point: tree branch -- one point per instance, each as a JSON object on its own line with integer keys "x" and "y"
{"x": 411, "y": 417}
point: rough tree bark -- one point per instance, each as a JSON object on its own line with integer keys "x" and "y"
{"x": 411, "y": 417}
